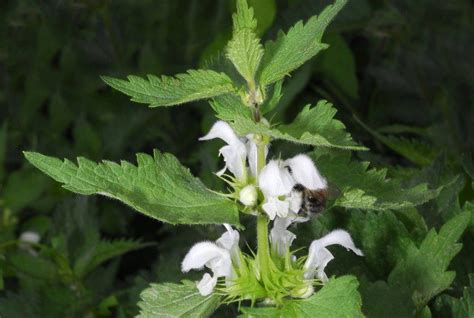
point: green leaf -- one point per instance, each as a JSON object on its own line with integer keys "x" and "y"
{"x": 102, "y": 252}
{"x": 414, "y": 150}
{"x": 33, "y": 266}
{"x": 245, "y": 52}
{"x": 423, "y": 270}
{"x": 23, "y": 187}
{"x": 338, "y": 298}
{"x": 169, "y": 91}
{"x": 338, "y": 65}
{"x": 381, "y": 236}
{"x": 301, "y": 43}
{"x": 176, "y": 300}
{"x": 158, "y": 186}
{"x": 314, "y": 126}
{"x": 419, "y": 274}
{"x": 461, "y": 307}
{"x": 364, "y": 188}
{"x": 244, "y": 17}
{"x": 265, "y": 12}
{"x": 381, "y": 300}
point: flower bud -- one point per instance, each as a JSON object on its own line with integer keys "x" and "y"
{"x": 304, "y": 291}
{"x": 248, "y": 195}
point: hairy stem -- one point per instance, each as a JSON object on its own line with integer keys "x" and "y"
{"x": 263, "y": 251}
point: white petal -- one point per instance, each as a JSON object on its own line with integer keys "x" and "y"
{"x": 295, "y": 200}
{"x": 234, "y": 157}
{"x": 275, "y": 180}
{"x": 222, "y": 130}
{"x": 210, "y": 255}
{"x": 30, "y": 237}
{"x": 317, "y": 261}
{"x": 280, "y": 238}
{"x": 305, "y": 172}
{"x": 274, "y": 206}
{"x": 319, "y": 256}
{"x": 229, "y": 240}
{"x": 252, "y": 154}
{"x": 207, "y": 284}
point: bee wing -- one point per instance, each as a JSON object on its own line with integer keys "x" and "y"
{"x": 333, "y": 192}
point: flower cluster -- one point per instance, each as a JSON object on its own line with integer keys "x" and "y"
{"x": 270, "y": 189}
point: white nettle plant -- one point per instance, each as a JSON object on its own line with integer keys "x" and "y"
{"x": 266, "y": 190}
{"x": 281, "y": 203}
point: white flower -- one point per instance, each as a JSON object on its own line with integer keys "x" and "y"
{"x": 215, "y": 258}
{"x": 234, "y": 153}
{"x": 305, "y": 172}
{"x": 280, "y": 237}
{"x": 319, "y": 256}
{"x": 230, "y": 241}
{"x": 218, "y": 257}
{"x": 30, "y": 237}
{"x": 27, "y": 239}
{"x": 276, "y": 184}
{"x": 252, "y": 154}
{"x": 248, "y": 195}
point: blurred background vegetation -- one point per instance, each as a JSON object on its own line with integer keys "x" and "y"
{"x": 400, "y": 72}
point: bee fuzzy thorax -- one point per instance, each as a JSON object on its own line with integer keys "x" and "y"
{"x": 313, "y": 202}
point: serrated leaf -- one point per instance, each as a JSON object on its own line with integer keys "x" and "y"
{"x": 381, "y": 300}
{"x": 301, "y": 43}
{"x": 176, "y": 300}
{"x": 244, "y": 17}
{"x": 419, "y": 274}
{"x": 414, "y": 150}
{"x": 423, "y": 270}
{"x": 461, "y": 307}
{"x": 314, "y": 126}
{"x": 102, "y": 252}
{"x": 382, "y": 237}
{"x": 364, "y": 188}
{"x": 168, "y": 91}
{"x": 338, "y": 298}
{"x": 158, "y": 186}
{"x": 337, "y": 64}
{"x": 245, "y": 52}
{"x": 317, "y": 126}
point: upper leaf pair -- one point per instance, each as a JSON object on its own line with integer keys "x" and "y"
{"x": 258, "y": 66}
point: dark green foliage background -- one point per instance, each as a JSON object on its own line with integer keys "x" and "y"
{"x": 401, "y": 74}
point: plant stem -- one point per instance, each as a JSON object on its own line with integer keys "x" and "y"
{"x": 263, "y": 251}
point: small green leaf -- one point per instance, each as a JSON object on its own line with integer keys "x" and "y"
{"x": 301, "y": 43}
{"x": 102, "y": 252}
{"x": 265, "y": 12}
{"x": 158, "y": 186}
{"x": 414, "y": 150}
{"x": 176, "y": 300}
{"x": 338, "y": 65}
{"x": 364, "y": 188}
{"x": 314, "y": 126}
{"x": 245, "y": 52}
{"x": 338, "y": 298}
{"x": 169, "y": 91}
{"x": 461, "y": 307}
{"x": 423, "y": 270}
{"x": 244, "y": 17}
